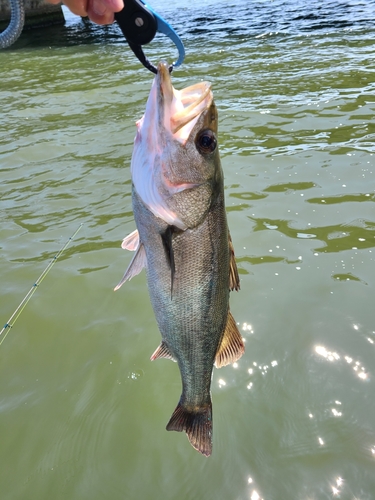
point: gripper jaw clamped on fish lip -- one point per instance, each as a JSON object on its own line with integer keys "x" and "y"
{"x": 139, "y": 24}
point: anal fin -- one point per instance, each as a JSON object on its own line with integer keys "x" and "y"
{"x": 231, "y": 347}
{"x": 138, "y": 262}
{"x": 197, "y": 423}
{"x": 162, "y": 352}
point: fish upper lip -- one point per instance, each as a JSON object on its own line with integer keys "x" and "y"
{"x": 164, "y": 83}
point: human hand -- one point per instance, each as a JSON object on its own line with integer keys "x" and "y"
{"x": 99, "y": 11}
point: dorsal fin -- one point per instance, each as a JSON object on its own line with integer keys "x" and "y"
{"x": 234, "y": 279}
{"x": 162, "y": 352}
{"x": 231, "y": 347}
{"x": 138, "y": 262}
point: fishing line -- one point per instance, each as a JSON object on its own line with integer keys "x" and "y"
{"x": 8, "y": 325}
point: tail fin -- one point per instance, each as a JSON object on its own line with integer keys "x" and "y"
{"x": 197, "y": 423}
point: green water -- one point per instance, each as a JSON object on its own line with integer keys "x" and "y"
{"x": 82, "y": 409}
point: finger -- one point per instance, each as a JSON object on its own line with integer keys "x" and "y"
{"x": 99, "y": 13}
{"x": 78, "y": 7}
{"x": 114, "y": 5}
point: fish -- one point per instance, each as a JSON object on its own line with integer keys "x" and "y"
{"x": 183, "y": 241}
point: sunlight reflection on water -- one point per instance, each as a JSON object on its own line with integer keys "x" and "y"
{"x": 359, "y": 370}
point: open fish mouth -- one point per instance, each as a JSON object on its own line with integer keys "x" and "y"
{"x": 180, "y": 109}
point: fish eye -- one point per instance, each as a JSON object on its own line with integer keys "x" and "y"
{"x": 206, "y": 141}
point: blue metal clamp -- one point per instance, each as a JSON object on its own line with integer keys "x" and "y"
{"x": 139, "y": 24}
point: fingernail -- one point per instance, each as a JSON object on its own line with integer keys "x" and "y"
{"x": 98, "y": 7}
{"x": 115, "y": 5}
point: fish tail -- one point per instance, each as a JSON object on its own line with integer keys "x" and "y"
{"x": 197, "y": 423}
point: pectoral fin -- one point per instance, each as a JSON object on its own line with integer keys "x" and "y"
{"x": 234, "y": 279}
{"x": 138, "y": 262}
{"x": 131, "y": 242}
{"x": 168, "y": 247}
{"x": 232, "y": 346}
{"x": 162, "y": 352}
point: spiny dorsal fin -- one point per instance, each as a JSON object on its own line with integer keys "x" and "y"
{"x": 138, "y": 262}
{"x": 231, "y": 347}
{"x": 234, "y": 279}
{"x": 131, "y": 241}
{"x": 162, "y": 352}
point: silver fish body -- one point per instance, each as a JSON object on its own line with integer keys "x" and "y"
{"x": 184, "y": 242}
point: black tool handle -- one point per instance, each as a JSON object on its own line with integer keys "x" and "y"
{"x": 137, "y": 22}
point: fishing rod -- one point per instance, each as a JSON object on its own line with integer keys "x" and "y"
{"x": 8, "y": 325}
